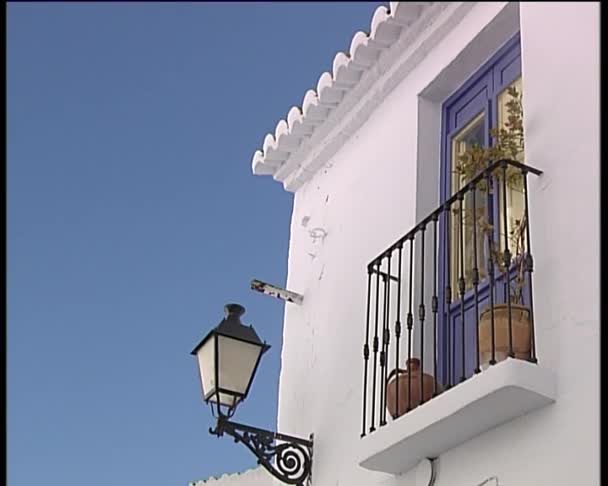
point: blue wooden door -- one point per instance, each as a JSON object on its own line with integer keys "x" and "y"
{"x": 468, "y": 116}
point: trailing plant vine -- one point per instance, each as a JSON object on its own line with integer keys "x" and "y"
{"x": 508, "y": 144}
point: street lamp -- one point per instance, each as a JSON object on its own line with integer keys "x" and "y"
{"x": 228, "y": 358}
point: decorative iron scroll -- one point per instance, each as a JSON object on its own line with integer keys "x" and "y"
{"x": 292, "y": 456}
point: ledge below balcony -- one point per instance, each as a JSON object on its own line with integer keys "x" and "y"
{"x": 497, "y": 395}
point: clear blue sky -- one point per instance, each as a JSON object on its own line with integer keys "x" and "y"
{"x": 133, "y": 217}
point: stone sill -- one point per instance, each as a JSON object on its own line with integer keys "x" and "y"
{"x": 497, "y": 395}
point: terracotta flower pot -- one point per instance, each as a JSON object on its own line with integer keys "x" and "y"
{"x": 400, "y": 379}
{"x": 520, "y": 319}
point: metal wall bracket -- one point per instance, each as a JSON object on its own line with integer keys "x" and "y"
{"x": 278, "y": 292}
{"x": 289, "y": 460}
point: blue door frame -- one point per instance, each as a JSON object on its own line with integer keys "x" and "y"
{"x": 477, "y": 95}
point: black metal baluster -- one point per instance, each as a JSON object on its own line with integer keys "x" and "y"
{"x": 491, "y": 275}
{"x": 421, "y": 312}
{"x": 448, "y": 296}
{"x": 381, "y": 414}
{"x": 461, "y": 282}
{"x": 375, "y": 346}
{"x": 529, "y": 267}
{"x": 476, "y": 277}
{"x": 366, "y": 348}
{"x": 410, "y": 323}
{"x": 435, "y": 303}
{"x": 382, "y": 360}
{"x": 388, "y": 325}
{"x": 398, "y": 331}
{"x": 507, "y": 255}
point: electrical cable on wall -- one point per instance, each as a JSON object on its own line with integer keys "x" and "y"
{"x": 486, "y": 481}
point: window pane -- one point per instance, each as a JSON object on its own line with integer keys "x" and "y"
{"x": 515, "y": 195}
{"x": 472, "y": 134}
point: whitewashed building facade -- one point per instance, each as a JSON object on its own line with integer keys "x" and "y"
{"x": 368, "y": 157}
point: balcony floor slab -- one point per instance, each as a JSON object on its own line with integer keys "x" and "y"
{"x": 493, "y": 397}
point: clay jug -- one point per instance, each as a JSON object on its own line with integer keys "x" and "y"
{"x": 409, "y": 383}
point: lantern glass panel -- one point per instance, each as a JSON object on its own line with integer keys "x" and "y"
{"x": 206, "y": 365}
{"x": 237, "y": 362}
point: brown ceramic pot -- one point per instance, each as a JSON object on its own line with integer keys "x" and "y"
{"x": 520, "y": 319}
{"x": 409, "y": 398}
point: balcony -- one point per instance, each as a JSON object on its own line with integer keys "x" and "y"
{"x": 464, "y": 361}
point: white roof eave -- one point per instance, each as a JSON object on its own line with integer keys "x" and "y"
{"x": 286, "y": 154}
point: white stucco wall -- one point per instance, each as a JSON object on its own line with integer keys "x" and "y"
{"x": 367, "y": 197}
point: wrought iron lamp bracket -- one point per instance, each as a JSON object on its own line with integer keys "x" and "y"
{"x": 289, "y": 460}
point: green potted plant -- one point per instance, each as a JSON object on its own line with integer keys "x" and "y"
{"x": 509, "y": 144}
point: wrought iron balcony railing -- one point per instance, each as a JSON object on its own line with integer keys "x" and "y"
{"x": 470, "y": 263}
